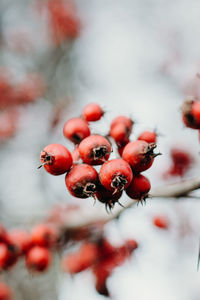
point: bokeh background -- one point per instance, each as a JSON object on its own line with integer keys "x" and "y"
{"x": 138, "y": 58}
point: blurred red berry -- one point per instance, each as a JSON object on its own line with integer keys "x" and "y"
{"x": 38, "y": 259}
{"x": 191, "y": 114}
{"x": 161, "y": 222}
{"x": 19, "y": 240}
{"x": 8, "y": 256}
{"x": 44, "y": 235}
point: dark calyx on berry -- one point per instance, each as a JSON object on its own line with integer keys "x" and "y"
{"x": 88, "y": 190}
{"x": 46, "y": 158}
{"x": 99, "y": 152}
{"x": 118, "y": 182}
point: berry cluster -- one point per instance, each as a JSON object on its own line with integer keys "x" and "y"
{"x": 101, "y": 257}
{"x": 35, "y": 246}
{"x": 115, "y": 175}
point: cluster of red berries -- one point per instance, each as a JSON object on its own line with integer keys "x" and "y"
{"x": 35, "y": 246}
{"x": 115, "y": 175}
{"x": 101, "y": 257}
{"x": 5, "y": 292}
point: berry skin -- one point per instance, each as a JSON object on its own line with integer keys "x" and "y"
{"x": 75, "y": 156}
{"x": 161, "y": 222}
{"x": 5, "y": 292}
{"x": 122, "y": 120}
{"x": 81, "y": 181}
{"x": 138, "y": 188}
{"x": 19, "y": 240}
{"x": 44, "y": 235}
{"x": 191, "y": 114}
{"x": 107, "y": 197}
{"x": 8, "y": 256}
{"x": 139, "y": 155}
{"x": 121, "y": 148}
{"x": 38, "y": 259}
{"x": 148, "y": 136}
{"x": 92, "y": 112}
{"x": 120, "y": 133}
{"x": 94, "y": 150}
{"x": 115, "y": 175}
{"x": 56, "y": 159}
{"x": 76, "y": 130}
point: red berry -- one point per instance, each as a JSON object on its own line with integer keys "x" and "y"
{"x": 138, "y": 188}
{"x": 92, "y": 112}
{"x": 94, "y": 150}
{"x": 72, "y": 263}
{"x": 5, "y": 292}
{"x": 139, "y": 155}
{"x": 44, "y": 235}
{"x": 19, "y": 240}
{"x": 148, "y": 136}
{"x": 81, "y": 181}
{"x": 76, "y": 130}
{"x": 115, "y": 175}
{"x": 107, "y": 196}
{"x": 56, "y": 159}
{"x": 191, "y": 114}
{"x": 120, "y": 133}
{"x": 131, "y": 245}
{"x": 121, "y": 148}
{"x": 8, "y": 256}
{"x": 122, "y": 120}
{"x": 38, "y": 259}
{"x": 161, "y": 222}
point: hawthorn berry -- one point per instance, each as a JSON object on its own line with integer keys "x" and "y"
{"x": 161, "y": 222}
{"x": 94, "y": 150}
{"x": 139, "y": 155}
{"x": 148, "y": 136}
{"x": 44, "y": 235}
{"x": 120, "y": 133}
{"x": 122, "y": 120}
{"x": 8, "y": 256}
{"x": 92, "y": 112}
{"x": 19, "y": 240}
{"x": 38, "y": 259}
{"x": 107, "y": 197}
{"x": 5, "y": 292}
{"x": 139, "y": 187}
{"x": 81, "y": 181}
{"x": 115, "y": 175}
{"x": 56, "y": 159}
{"x": 76, "y": 130}
{"x": 191, "y": 114}
{"x": 75, "y": 156}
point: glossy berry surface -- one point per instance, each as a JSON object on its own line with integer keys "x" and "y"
{"x": 92, "y": 112}
{"x": 38, "y": 259}
{"x": 76, "y": 130}
{"x": 81, "y": 181}
{"x": 139, "y": 187}
{"x": 56, "y": 159}
{"x": 94, "y": 150}
{"x": 115, "y": 175}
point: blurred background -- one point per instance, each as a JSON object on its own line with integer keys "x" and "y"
{"x": 137, "y": 58}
